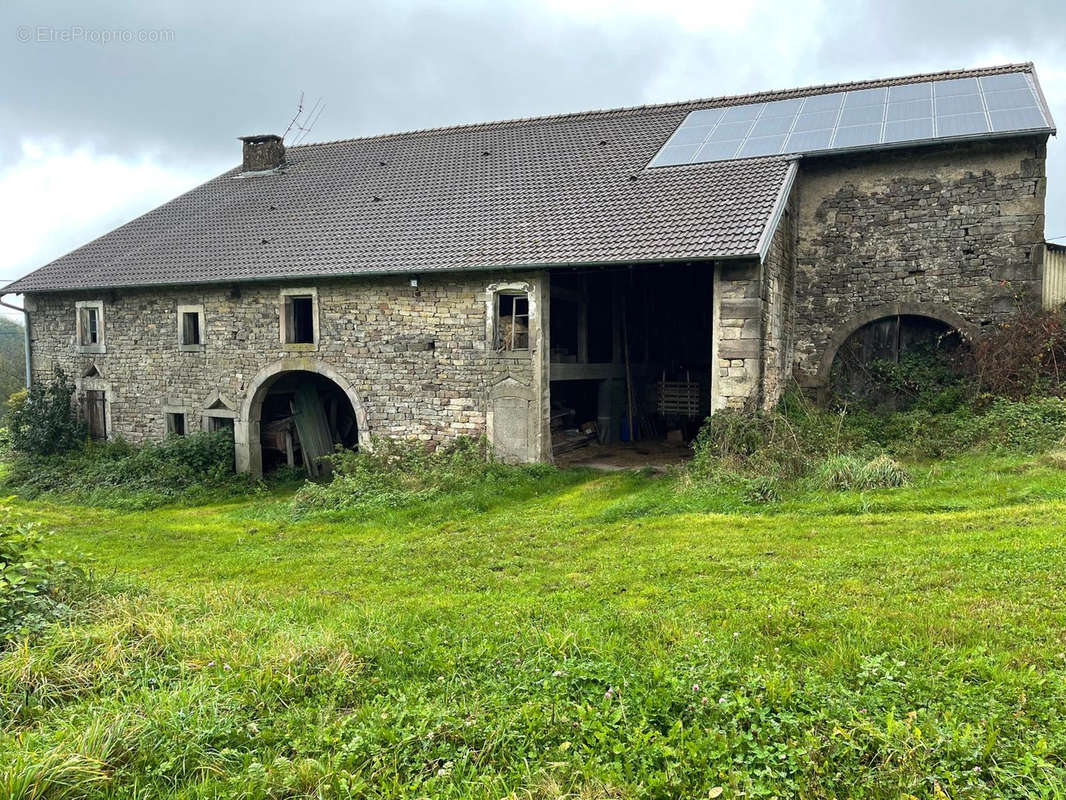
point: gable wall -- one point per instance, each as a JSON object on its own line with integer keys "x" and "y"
{"x": 375, "y": 332}
{"x": 956, "y": 228}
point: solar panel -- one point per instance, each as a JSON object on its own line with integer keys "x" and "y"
{"x": 864, "y": 118}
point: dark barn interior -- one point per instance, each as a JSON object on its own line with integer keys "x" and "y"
{"x": 304, "y": 417}
{"x": 630, "y": 358}
{"x": 858, "y": 370}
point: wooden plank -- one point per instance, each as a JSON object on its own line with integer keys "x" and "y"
{"x": 312, "y": 427}
{"x": 738, "y": 348}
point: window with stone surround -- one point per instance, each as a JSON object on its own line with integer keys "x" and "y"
{"x": 512, "y": 321}
{"x": 299, "y": 318}
{"x": 175, "y": 423}
{"x": 89, "y": 326}
{"x": 191, "y": 333}
{"x": 215, "y": 423}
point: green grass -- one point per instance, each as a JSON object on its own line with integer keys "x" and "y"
{"x": 580, "y": 635}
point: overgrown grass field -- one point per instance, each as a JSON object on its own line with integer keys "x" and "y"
{"x": 568, "y": 634}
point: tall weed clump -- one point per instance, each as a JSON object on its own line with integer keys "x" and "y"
{"x": 397, "y": 472}
{"x": 782, "y": 443}
{"x": 847, "y": 471}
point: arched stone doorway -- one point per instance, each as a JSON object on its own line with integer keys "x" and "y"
{"x": 293, "y": 396}
{"x": 854, "y": 360}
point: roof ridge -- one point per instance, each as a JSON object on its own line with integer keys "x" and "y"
{"x": 722, "y": 100}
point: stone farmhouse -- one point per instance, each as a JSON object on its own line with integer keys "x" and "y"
{"x": 625, "y": 271}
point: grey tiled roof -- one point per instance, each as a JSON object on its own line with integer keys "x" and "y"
{"x": 568, "y": 189}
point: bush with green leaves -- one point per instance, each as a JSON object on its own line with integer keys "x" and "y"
{"x": 120, "y": 474}
{"x": 34, "y": 589}
{"x": 42, "y": 421}
{"x": 990, "y": 424}
{"x": 936, "y": 375}
{"x": 397, "y": 472}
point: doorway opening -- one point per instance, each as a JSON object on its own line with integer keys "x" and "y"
{"x": 887, "y": 363}
{"x": 303, "y": 416}
{"x": 631, "y": 364}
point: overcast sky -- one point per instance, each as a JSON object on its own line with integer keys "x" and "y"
{"x": 95, "y": 132}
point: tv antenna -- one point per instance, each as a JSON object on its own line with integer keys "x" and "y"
{"x": 303, "y": 122}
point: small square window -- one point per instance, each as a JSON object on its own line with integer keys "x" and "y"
{"x": 218, "y": 424}
{"x": 190, "y": 328}
{"x": 175, "y": 423}
{"x": 191, "y": 333}
{"x": 512, "y": 321}
{"x": 299, "y": 318}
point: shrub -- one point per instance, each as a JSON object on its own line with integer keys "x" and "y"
{"x": 795, "y": 440}
{"x": 988, "y": 423}
{"x": 121, "y": 474}
{"x": 935, "y": 375}
{"x": 1023, "y": 356}
{"x": 42, "y": 420}
{"x": 34, "y": 590}
{"x": 782, "y": 443}
{"x": 398, "y": 472}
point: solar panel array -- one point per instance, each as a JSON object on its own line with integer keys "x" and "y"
{"x": 860, "y": 119}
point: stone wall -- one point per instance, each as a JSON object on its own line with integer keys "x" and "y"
{"x": 738, "y": 333}
{"x": 420, "y": 360}
{"x": 955, "y": 230}
{"x": 778, "y": 293}
{"x": 753, "y": 324}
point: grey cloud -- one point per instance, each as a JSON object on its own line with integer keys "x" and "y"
{"x": 237, "y": 67}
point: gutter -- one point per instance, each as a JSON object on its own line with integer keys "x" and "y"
{"x": 377, "y": 273}
{"x": 25, "y": 334}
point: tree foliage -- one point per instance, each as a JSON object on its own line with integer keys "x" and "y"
{"x": 42, "y": 421}
{"x": 12, "y": 359}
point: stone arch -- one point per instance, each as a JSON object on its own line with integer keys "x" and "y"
{"x": 930, "y": 310}
{"x": 247, "y": 434}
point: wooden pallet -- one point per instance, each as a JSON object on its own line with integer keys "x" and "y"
{"x": 678, "y": 398}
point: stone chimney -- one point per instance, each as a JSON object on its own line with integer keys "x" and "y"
{"x": 263, "y": 152}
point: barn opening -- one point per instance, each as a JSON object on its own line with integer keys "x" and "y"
{"x": 888, "y": 363}
{"x": 630, "y": 362}
{"x": 303, "y": 417}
